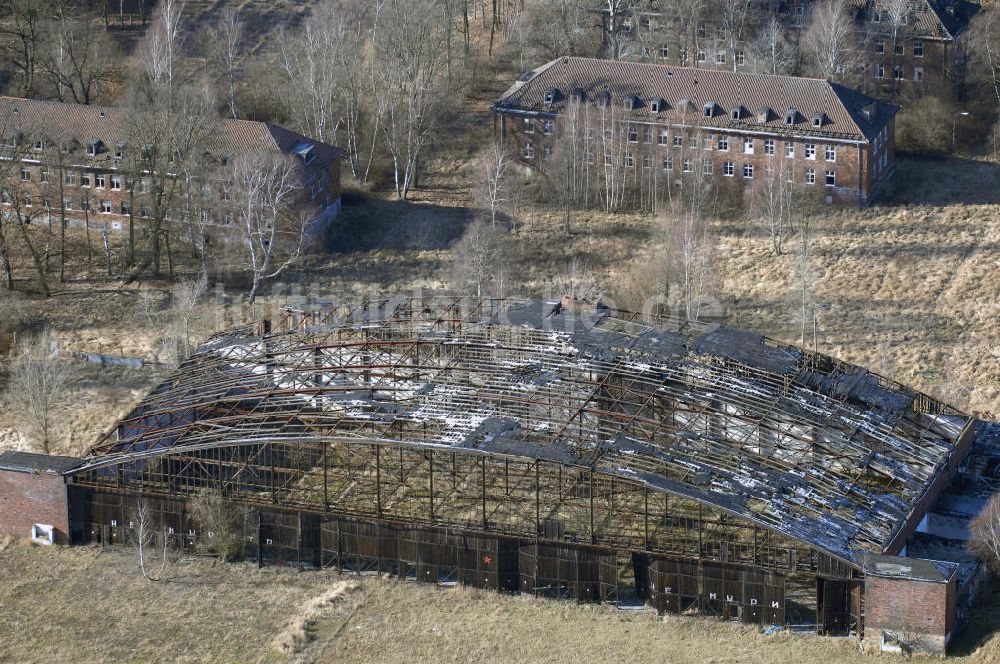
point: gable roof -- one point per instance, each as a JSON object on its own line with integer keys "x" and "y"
{"x": 933, "y": 19}
{"x": 843, "y": 108}
{"x": 29, "y": 462}
{"x": 58, "y": 121}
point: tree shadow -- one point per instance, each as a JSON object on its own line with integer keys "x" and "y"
{"x": 982, "y": 622}
{"x": 942, "y": 181}
{"x": 370, "y": 224}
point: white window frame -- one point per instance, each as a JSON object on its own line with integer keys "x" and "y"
{"x": 810, "y": 151}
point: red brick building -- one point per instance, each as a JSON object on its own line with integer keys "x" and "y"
{"x": 654, "y": 127}
{"x": 75, "y": 163}
{"x": 33, "y": 492}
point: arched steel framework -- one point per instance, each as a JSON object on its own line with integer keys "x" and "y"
{"x": 555, "y": 422}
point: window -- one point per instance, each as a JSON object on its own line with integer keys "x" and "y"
{"x": 748, "y": 171}
{"x": 830, "y": 152}
{"x": 647, "y": 135}
{"x": 71, "y": 177}
{"x": 645, "y": 23}
{"x": 125, "y": 208}
{"x": 810, "y": 176}
{"x": 918, "y": 74}
{"x": 789, "y": 149}
{"x": 99, "y": 180}
{"x": 720, "y": 57}
{"x": 546, "y": 151}
{"x": 588, "y": 134}
{"x": 144, "y": 186}
{"x": 668, "y": 163}
{"x": 633, "y": 134}
{"x": 588, "y": 156}
{"x": 740, "y": 58}
{"x": 694, "y": 141}
{"x": 831, "y": 179}
{"x": 116, "y": 182}
{"x": 708, "y": 167}
{"x": 106, "y": 207}
{"x": 43, "y": 175}
{"x": 701, "y": 31}
{"x": 144, "y": 211}
{"x": 898, "y": 48}
{"x": 39, "y": 146}
{"x": 529, "y": 150}
{"x": 897, "y": 72}
{"x": 25, "y": 174}
{"x": 607, "y": 135}
{"x": 880, "y": 71}
{"x": 84, "y": 179}
{"x": 529, "y": 126}
{"x": 810, "y": 150}
{"x": 918, "y": 48}
{"x": 85, "y": 204}
{"x": 647, "y": 161}
{"x": 67, "y": 203}
{"x": 723, "y": 144}
{"x": 728, "y": 169}
{"x": 880, "y": 46}
{"x": 664, "y": 137}
{"x": 768, "y": 146}
{"x": 747, "y": 146}
{"x": 92, "y": 149}
{"x": 678, "y": 141}
{"x": 702, "y": 56}
{"x": 607, "y": 158}
{"x": 119, "y": 151}
{"x": 628, "y": 161}
{"x": 664, "y": 52}
{"x": 27, "y": 200}
{"x": 686, "y": 165}
{"x": 547, "y": 127}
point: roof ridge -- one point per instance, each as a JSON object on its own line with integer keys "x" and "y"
{"x": 708, "y": 70}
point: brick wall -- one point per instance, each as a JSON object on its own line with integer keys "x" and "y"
{"x": 922, "y": 612}
{"x": 28, "y": 498}
{"x": 852, "y": 165}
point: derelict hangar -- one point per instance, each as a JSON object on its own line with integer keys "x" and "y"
{"x": 564, "y": 449}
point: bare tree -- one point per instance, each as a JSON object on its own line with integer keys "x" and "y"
{"x": 478, "y": 259}
{"x": 829, "y": 41}
{"x": 772, "y": 203}
{"x": 985, "y": 49}
{"x": 79, "y": 56}
{"x": 772, "y": 52}
{"x": 986, "y": 533}
{"x": 413, "y": 92}
{"x": 226, "y": 44}
{"x": 558, "y": 27}
{"x": 184, "y": 315}
{"x": 23, "y": 26}
{"x": 806, "y": 276}
{"x": 38, "y": 383}
{"x": 146, "y": 529}
{"x": 492, "y": 190}
{"x": 162, "y": 49}
{"x": 221, "y": 523}
{"x": 271, "y": 223}
{"x": 309, "y": 62}
{"x": 616, "y": 36}
{"x": 690, "y": 245}
{"x": 735, "y": 14}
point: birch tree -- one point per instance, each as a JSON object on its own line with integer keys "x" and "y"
{"x": 492, "y": 190}
{"x": 227, "y": 49}
{"x": 38, "y": 383}
{"x": 829, "y": 41}
{"x": 772, "y": 52}
{"x": 272, "y": 225}
{"x": 412, "y": 86}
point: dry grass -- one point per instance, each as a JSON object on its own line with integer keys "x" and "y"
{"x": 61, "y": 604}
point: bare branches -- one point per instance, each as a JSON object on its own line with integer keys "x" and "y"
{"x": 830, "y": 40}
{"x": 146, "y": 528}
{"x": 493, "y": 181}
{"x": 272, "y": 226}
{"x": 38, "y": 383}
{"x": 478, "y": 262}
{"x": 986, "y": 533}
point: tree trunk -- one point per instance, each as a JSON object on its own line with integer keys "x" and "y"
{"x": 35, "y": 258}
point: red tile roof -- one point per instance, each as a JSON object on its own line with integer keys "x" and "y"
{"x": 57, "y": 121}
{"x": 844, "y": 109}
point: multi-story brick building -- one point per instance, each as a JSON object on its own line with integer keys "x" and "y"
{"x": 899, "y": 51}
{"x": 75, "y": 161}
{"x": 654, "y": 127}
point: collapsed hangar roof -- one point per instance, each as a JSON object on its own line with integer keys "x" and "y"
{"x": 813, "y": 448}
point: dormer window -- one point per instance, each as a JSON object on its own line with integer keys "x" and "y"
{"x": 710, "y": 109}
{"x": 305, "y": 151}
{"x": 604, "y": 99}
{"x": 632, "y": 102}
{"x": 94, "y": 147}
{"x": 120, "y": 150}
{"x": 791, "y": 116}
{"x": 551, "y": 96}
{"x": 657, "y": 105}
{"x": 819, "y": 120}
{"x": 738, "y": 113}
{"x": 764, "y": 115}
{"x": 39, "y": 146}
{"x": 578, "y": 97}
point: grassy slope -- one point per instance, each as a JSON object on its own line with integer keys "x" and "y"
{"x": 83, "y": 605}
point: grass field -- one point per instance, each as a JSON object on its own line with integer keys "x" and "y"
{"x": 84, "y": 605}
